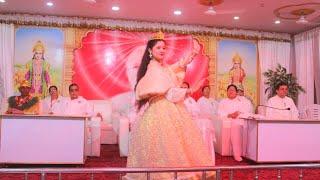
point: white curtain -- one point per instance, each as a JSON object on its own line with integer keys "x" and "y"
{"x": 272, "y": 53}
{"x": 6, "y": 61}
{"x": 316, "y": 60}
{"x": 307, "y": 63}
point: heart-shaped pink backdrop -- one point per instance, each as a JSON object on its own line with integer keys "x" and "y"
{"x": 105, "y": 65}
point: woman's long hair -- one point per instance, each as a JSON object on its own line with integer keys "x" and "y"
{"x": 143, "y": 67}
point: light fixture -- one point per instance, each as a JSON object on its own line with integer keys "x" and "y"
{"x": 177, "y": 12}
{"x": 91, "y": 1}
{"x": 211, "y": 11}
{"x": 2, "y": 1}
{"x": 115, "y": 8}
{"x": 277, "y": 22}
{"x": 236, "y": 17}
{"x": 49, "y": 4}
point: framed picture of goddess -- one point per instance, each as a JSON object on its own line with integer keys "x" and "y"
{"x": 38, "y": 58}
{"x": 237, "y": 62}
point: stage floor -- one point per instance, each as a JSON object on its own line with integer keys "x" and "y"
{"x": 110, "y": 158}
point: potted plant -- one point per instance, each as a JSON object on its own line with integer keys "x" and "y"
{"x": 280, "y": 75}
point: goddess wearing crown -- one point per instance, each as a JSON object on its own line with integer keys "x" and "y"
{"x": 38, "y": 71}
{"x": 237, "y": 73}
{"x": 165, "y": 134}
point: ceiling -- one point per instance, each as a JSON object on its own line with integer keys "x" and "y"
{"x": 254, "y": 14}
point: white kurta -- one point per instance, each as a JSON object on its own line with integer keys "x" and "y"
{"x": 238, "y": 136}
{"x": 204, "y": 124}
{"x": 192, "y": 107}
{"x": 55, "y": 107}
{"x": 81, "y": 107}
{"x": 281, "y": 103}
{"x": 228, "y": 106}
{"x": 247, "y": 103}
{"x": 208, "y": 107}
{"x": 78, "y": 107}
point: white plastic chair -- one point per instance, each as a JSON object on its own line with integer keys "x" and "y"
{"x": 313, "y": 111}
{"x": 108, "y": 134}
{"x": 261, "y": 110}
{"x": 208, "y": 134}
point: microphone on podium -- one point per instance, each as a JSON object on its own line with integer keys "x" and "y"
{"x": 286, "y": 109}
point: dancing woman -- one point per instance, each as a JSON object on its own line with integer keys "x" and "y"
{"x": 165, "y": 135}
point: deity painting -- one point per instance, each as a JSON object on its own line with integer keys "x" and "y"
{"x": 38, "y": 71}
{"x": 237, "y": 64}
{"x": 39, "y": 58}
{"x": 237, "y": 73}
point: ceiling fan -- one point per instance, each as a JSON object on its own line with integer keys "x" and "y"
{"x": 304, "y": 21}
{"x": 212, "y": 11}
{"x": 304, "y": 14}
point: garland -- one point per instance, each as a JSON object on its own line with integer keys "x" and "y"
{"x": 13, "y": 103}
{"x": 133, "y": 25}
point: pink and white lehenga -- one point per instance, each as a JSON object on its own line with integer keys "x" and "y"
{"x": 165, "y": 135}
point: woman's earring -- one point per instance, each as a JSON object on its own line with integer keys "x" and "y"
{"x": 150, "y": 55}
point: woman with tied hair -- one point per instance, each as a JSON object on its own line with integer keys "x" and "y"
{"x": 231, "y": 108}
{"x": 165, "y": 135}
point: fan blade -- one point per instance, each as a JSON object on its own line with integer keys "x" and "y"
{"x": 314, "y": 17}
{"x": 313, "y": 23}
{"x": 210, "y": 11}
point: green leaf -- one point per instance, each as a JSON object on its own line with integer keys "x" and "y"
{"x": 274, "y": 77}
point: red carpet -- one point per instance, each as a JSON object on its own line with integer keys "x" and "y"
{"x": 110, "y": 158}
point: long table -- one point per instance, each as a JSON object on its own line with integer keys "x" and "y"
{"x": 283, "y": 140}
{"x": 29, "y": 139}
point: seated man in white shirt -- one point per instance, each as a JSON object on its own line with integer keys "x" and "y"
{"x": 76, "y": 105}
{"x": 231, "y": 107}
{"x": 245, "y": 99}
{"x": 53, "y": 104}
{"x": 208, "y": 106}
{"x": 281, "y": 106}
{"x": 189, "y": 102}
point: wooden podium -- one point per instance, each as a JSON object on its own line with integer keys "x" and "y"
{"x": 283, "y": 140}
{"x": 34, "y": 139}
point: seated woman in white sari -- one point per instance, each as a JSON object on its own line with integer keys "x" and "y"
{"x": 231, "y": 107}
